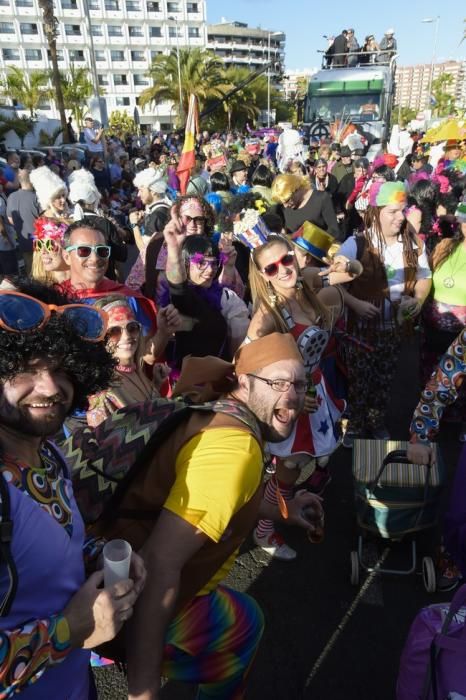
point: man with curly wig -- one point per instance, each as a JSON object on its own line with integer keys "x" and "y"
{"x": 50, "y": 616}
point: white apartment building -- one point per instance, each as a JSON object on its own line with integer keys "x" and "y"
{"x": 412, "y": 83}
{"x": 248, "y": 47}
{"x": 127, "y": 35}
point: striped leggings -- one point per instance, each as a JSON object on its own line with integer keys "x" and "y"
{"x": 213, "y": 642}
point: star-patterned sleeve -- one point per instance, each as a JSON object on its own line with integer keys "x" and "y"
{"x": 441, "y": 391}
{"x": 27, "y": 651}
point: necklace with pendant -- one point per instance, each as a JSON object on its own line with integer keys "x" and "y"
{"x": 449, "y": 281}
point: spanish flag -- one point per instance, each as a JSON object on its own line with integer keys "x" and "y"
{"x": 188, "y": 156}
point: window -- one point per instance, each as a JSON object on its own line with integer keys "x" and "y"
{"x": 97, "y": 30}
{"x": 153, "y": 7}
{"x": 10, "y": 54}
{"x": 60, "y": 56}
{"x": 23, "y": 3}
{"x": 33, "y": 55}
{"x": 120, "y": 79}
{"x": 192, "y": 7}
{"x": 193, "y": 32}
{"x": 112, "y": 5}
{"x": 173, "y": 7}
{"x": 7, "y": 28}
{"x": 174, "y": 31}
{"x": 140, "y": 80}
{"x": 155, "y": 31}
{"x": 133, "y": 6}
{"x": 100, "y": 55}
{"x": 114, "y": 30}
{"x": 28, "y": 28}
{"x": 94, "y": 5}
{"x": 77, "y": 55}
{"x": 154, "y": 54}
{"x": 122, "y": 101}
{"x": 136, "y": 31}
{"x": 4, "y": 3}
{"x": 117, "y": 55}
{"x": 103, "y": 80}
{"x": 138, "y": 56}
{"x": 69, "y": 5}
{"x": 72, "y": 30}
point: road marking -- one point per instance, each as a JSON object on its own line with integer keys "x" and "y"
{"x": 346, "y": 618}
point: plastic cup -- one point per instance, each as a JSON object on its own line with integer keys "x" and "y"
{"x": 117, "y": 558}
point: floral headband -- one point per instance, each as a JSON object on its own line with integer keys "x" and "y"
{"x": 48, "y": 228}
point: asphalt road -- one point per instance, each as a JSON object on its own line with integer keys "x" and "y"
{"x": 324, "y": 638}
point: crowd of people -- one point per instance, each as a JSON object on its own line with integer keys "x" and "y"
{"x": 172, "y": 364}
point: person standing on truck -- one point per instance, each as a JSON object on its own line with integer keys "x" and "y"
{"x": 339, "y": 50}
{"x": 353, "y": 49}
{"x": 387, "y": 47}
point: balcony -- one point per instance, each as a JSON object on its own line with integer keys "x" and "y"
{"x": 138, "y": 40}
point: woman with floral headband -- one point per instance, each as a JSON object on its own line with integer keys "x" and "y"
{"x": 285, "y": 300}
{"x": 214, "y": 318}
{"x": 47, "y": 260}
{"x": 382, "y": 303}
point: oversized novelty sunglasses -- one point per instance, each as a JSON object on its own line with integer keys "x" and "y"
{"x": 20, "y": 313}
{"x": 49, "y": 245}
{"x": 203, "y": 263}
{"x": 114, "y": 333}
{"x": 286, "y": 260}
{"x": 84, "y": 251}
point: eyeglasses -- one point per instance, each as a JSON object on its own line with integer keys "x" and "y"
{"x": 84, "y": 251}
{"x": 203, "y": 263}
{"x": 287, "y": 260}
{"x": 114, "y": 333}
{"x": 282, "y": 385}
{"x": 197, "y": 220}
{"x": 50, "y": 245}
{"x": 20, "y": 313}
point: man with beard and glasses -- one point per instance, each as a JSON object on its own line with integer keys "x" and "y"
{"x": 204, "y": 485}
{"x": 51, "y": 355}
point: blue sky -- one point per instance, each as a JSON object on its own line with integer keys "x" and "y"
{"x": 305, "y": 21}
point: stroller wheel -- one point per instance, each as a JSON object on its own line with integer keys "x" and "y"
{"x": 428, "y": 575}
{"x": 354, "y": 569}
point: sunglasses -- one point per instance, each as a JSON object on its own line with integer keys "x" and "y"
{"x": 114, "y": 333}
{"x": 84, "y": 251}
{"x": 286, "y": 260}
{"x": 20, "y": 313}
{"x": 203, "y": 263}
{"x": 197, "y": 220}
{"x": 49, "y": 245}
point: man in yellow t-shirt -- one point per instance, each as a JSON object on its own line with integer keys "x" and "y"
{"x": 188, "y": 626}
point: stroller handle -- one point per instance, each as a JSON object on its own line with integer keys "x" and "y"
{"x": 396, "y": 457}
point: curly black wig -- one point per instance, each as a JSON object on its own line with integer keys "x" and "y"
{"x": 89, "y": 366}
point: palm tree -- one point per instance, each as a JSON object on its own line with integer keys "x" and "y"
{"x": 76, "y": 88}
{"x": 242, "y": 106}
{"x": 201, "y": 72}
{"x": 50, "y": 28}
{"x": 29, "y": 90}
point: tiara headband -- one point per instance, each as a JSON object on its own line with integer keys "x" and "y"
{"x": 193, "y": 206}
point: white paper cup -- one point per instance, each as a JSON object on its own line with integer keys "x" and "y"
{"x": 117, "y": 558}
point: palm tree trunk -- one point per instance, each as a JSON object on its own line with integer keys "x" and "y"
{"x": 50, "y": 28}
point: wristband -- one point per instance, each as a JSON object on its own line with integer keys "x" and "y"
{"x": 134, "y": 225}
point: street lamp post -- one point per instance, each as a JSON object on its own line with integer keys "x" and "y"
{"x": 432, "y": 20}
{"x": 269, "y": 74}
{"x": 173, "y": 19}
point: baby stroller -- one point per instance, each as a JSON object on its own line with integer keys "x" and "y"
{"x": 395, "y": 499}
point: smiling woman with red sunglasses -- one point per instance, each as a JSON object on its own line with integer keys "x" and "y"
{"x": 285, "y": 301}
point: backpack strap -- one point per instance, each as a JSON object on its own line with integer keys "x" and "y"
{"x": 6, "y": 533}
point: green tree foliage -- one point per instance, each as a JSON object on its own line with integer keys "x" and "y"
{"x": 46, "y": 139}
{"x": 30, "y": 90}
{"x": 22, "y": 126}
{"x": 120, "y": 124}
{"x": 402, "y": 115}
{"x": 202, "y": 74}
{"x": 77, "y": 88}
{"x": 444, "y": 101}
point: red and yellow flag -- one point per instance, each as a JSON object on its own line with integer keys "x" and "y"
{"x": 188, "y": 156}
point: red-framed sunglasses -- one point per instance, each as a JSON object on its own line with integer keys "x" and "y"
{"x": 287, "y": 260}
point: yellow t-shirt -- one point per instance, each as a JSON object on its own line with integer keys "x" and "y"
{"x": 217, "y": 472}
